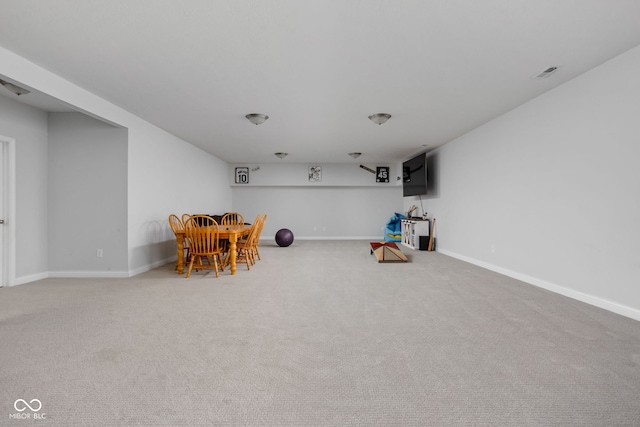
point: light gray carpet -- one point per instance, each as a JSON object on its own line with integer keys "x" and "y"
{"x": 317, "y": 334}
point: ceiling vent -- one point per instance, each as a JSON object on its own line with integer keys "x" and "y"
{"x": 546, "y": 73}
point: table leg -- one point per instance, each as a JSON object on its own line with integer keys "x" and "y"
{"x": 233, "y": 239}
{"x": 180, "y": 240}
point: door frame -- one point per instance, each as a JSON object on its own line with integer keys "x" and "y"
{"x": 8, "y": 147}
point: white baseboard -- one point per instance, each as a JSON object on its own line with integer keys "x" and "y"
{"x": 88, "y": 274}
{"x": 28, "y": 279}
{"x": 149, "y": 267}
{"x": 70, "y": 275}
{"x": 369, "y": 238}
{"x": 571, "y": 293}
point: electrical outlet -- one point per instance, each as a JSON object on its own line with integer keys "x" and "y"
{"x": 98, "y": 253}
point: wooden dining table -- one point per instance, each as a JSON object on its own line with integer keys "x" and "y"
{"x": 232, "y": 233}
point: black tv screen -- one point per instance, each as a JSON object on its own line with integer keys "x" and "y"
{"x": 414, "y": 176}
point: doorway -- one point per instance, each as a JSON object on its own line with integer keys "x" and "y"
{"x": 7, "y": 211}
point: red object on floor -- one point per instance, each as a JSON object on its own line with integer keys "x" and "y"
{"x": 387, "y": 252}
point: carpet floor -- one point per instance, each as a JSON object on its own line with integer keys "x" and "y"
{"x": 316, "y": 334}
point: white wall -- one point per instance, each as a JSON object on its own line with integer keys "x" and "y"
{"x": 87, "y": 163}
{"x": 29, "y": 128}
{"x": 165, "y": 174}
{"x": 297, "y": 174}
{"x": 322, "y": 212}
{"x": 346, "y": 204}
{"x": 550, "y": 192}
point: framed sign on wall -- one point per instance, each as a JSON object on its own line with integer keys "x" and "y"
{"x": 315, "y": 173}
{"x": 382, "y": 174}
{"x": 242, "y": 175}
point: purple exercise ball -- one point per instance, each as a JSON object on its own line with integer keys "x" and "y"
{"x": 284, "y": 237}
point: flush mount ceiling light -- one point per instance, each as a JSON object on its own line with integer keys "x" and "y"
{"x": 257, "y": 119}
{"x": 379, "y": 118}
{"x": 281, "y": 155}
{"x": 15, "y": 89}
{"x": 355, "y": 155}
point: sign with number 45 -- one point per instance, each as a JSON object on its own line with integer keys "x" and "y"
{"x": 382, "y": 174}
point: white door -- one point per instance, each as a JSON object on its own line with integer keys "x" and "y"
{"x": 3, "y": 169}
{"x": 7, "y": 210}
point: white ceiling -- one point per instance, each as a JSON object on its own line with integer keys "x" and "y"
{"x": 318, "y": 68}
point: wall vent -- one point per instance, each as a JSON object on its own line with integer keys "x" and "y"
{"x": 546, "y": 73}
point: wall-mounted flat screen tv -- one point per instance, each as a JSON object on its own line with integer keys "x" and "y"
{"x": 414, "y": 176}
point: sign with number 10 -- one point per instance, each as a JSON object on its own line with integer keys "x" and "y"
{"x": 242, "y": 175}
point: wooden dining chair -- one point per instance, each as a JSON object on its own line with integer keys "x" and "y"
{"x": 232, "y": 218}
{"x": 177, "y": 226}
{"x": 204, "y": 244}
{"x": 245, "y": 248}
{"x": 256, "y": 240}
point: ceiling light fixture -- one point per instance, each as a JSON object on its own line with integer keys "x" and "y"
{"x": 281, "y": 155}
{"x": 257, "y": 119}
{"x": 14, "y": 88}
{"x": 379, "y": 118}
{"x": 355, "y": 155}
